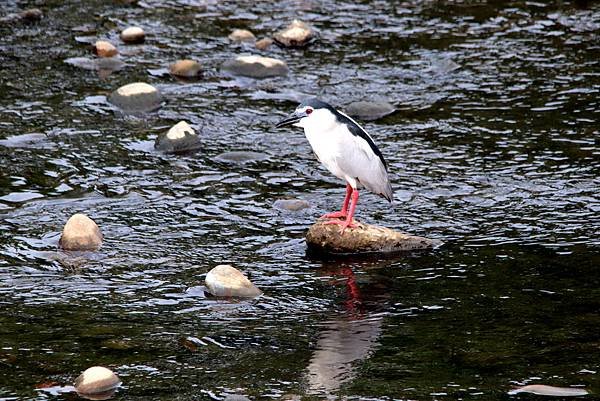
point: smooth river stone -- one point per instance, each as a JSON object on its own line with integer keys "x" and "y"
{"x": 180, "y": 138}
{"x": 297, "y": 34}
{"x": 264, "y": 43}
{"x": 136, "y": 97}
{"x": 292, "y": 205}
{"x": 80, "y": 234}
{"x": 542, "y": 389}
{"x": 185, "y": 69}
{"x": 369, "y": 111}
{"x": 97, "y": 380}
{"x": 328, "y": 239}
{"x": 227, "y": 281}
{"x": 102, "y": 48}
{"x": 256, "y": 67}
{"x": 241, "y": 35}
{"x": 241, "y": 157}
{"x": 133, "y": 35}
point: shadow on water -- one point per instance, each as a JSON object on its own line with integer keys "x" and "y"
{"x": 492, "y": 150}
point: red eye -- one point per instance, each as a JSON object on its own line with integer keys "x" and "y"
{"x": 308, "y": 111}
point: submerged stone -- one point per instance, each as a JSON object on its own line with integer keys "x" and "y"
{"x": 297, "y": 34}
{"x": 80, "y": 233}
{"x": 102, "y": 48}
{"x": 241, "y": 157}
{"x": 256, "y": 67}
{"x": 96, "y": 64}
{"x": 227, "y": 281}
{"x": 97, "y": 380}
{"x": 292, "y": 205}
{"x": 242, "y": 35}
{"x": 136, "y": 97}
{"x": 369, "y": 111}
{"x": 264, "y": 43}
{"x": 185, "y": 68}
{"x": 542, "y": 389}
{"x": 366, "y": 238}
{"x": 133, "y": 35}
{"x": 180, "y": 138}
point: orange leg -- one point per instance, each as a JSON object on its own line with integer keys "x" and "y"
{"x": 349, "y": 218}
{"x": 344, "y": 212}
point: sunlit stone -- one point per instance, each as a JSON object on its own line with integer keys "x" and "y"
{"x": 136, "y": 97}
{"x": 227, "y": 281}
{"x": 297, "y": 34}
{"x": 133, "y": 34}
{"x": 256, "y": 67}
{"x": 180, "y": 138}
{"x": 185, "y": 68}
{"x": 105, "y": 49}
{"x": 242, "y": 35}
{"x": 80, "y": 234}
{"x": 328, "y": 239}
{"x": 542, "y": 389}
{"x": 97, "y": 380}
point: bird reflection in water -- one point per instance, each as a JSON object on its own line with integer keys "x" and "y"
{"x": 344, "y": 340}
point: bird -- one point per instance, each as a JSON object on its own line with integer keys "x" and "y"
{"x": 346, "y": 150}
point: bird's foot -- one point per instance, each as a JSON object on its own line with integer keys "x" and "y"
{"x": 335, "y": 215}
{"x": 343, "y": 224}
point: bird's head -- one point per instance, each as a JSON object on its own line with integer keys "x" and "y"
{"x": 312, "y": 112}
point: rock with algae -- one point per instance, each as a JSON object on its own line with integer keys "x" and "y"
{"x": 328, "y": 239}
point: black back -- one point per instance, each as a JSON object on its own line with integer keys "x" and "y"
{"x": 354, "y": 128}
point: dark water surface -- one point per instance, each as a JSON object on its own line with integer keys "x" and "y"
{"x": 493, "y": 150}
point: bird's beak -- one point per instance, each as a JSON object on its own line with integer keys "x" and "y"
{"x": 292, "y": 119}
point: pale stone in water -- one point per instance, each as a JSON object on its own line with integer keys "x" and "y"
{"x": 96, "y": 380}
{"x": 185, "y": 68}
{"x": 293, "y": 205}
{"x": 369, "y": 111}
{"x": 133, "y": 34}
{"x": 80, "y": 234}
{"x": 542, "y": 389}
{"x": 256, "y": 66}
{"x": 328, "y": 239}
{"x": 264, "y": 44}
{"x": 136, "y": 97}
{"x": 242, "y": 35}
{"x": 105, "y": 49}
{"x": 180, "y": 138}
{"x": 297, "y": 34}
{"x": 227, "y": 281}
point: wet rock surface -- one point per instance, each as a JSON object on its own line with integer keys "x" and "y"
{"x": 297, "y": 34}
{"x": 97, "y": 381}
{"x": 186, "y": 69}
{"x": 138, "y": 97}
{"x": 292, "y": 205}
{"x": 256, "y": 67}
{"x": 227, "y": 281}
{"x": 328, "y": 239}
{"x": 81, "y": 234}
{"x": 369, "y": 111}
{"x": 180, "y": 138}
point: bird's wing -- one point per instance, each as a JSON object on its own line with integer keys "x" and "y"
{"x": 358, "y": 160}
{"x": 357, "y": 130}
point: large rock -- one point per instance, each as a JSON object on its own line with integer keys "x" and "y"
{"x": 256, "y": 67}
{"x": 133, "y": 35}
{"x": 185, "y": 69}
{"x": 80, "y": 234}
{"x": 136, "y": 97}
{"x": 180, "y": 138}
{"x": 366, "y": 238}
{"x": 227, "y": 281}
{"x": 241, "y": 35}
{"x": 369, "y": 111}
{"x": 97, "y": 380}
{"x": 297, "y": 34}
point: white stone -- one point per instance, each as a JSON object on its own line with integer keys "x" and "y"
{"x": 96, "y": 379}
{"x": 179, "y": 130}
{"x": 256, "y": 66}
{"x": 133, "y": 34}
{"x": 227, "y": 281}
{"x": 138, "y": 96}
{"x": 81, "y": 234}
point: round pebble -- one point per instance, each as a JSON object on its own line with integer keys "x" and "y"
{"x": 297, "y": 34}
{"x": 256, "y": 67}
{"x": 133, "y": 34}
{"x": 103, "y": 48}
{"x": 80, "y": 234}
{"x": 227, "y": 281}
{"x": 242, "y": 35}
{"x": 264, "y": 44}
{"x": 96, "y": 380}
{"x": 185, "y": 68}
{"x": 180, "y": 138}
{"x": 136, "y": 97}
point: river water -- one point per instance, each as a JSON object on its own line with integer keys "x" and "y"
{"x": 493, "y": 150}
